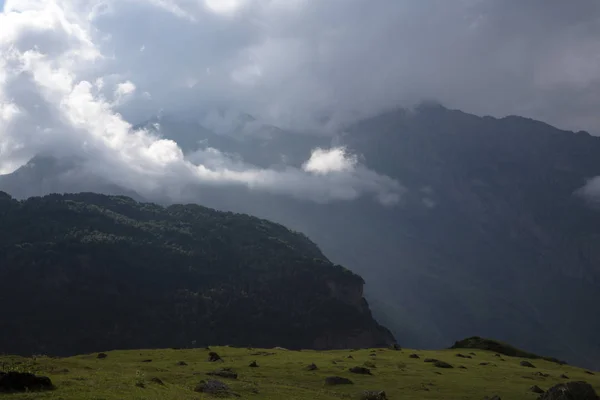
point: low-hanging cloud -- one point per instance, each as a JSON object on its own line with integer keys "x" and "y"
{"x": 51, "y": 104}
{"x": 75, "y": 74}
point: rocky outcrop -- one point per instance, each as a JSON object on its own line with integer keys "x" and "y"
{"x": 571, "y": 391}
{"x": 23, "y": 382}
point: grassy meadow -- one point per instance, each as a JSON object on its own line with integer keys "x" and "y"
{"x": 282, "y": 374}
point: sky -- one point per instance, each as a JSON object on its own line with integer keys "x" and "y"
{"x": 74, "y": 76}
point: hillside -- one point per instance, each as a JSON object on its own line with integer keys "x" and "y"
{"x": 282, "y": 374}
{"x": 117, "y": 274}
{"x": 491, "y": 238}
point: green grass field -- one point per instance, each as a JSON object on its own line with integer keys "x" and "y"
{"x": 282, "y": 374}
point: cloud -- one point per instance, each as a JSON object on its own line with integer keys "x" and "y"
{"x": 52, "y": 101}
{"x": 324, "y": 161}
{"x": 75, "y": 74}
{"x": 293, "y": 62}
{"x": 591, "y": 191}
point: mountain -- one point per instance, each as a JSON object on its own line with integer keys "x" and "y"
{"x": 46, "y": 174}
{"x": 500, "y": 244}
{"x": 117, "y": 274}
{"x": 490, "y": 239}
{"x": 257, "y": 144}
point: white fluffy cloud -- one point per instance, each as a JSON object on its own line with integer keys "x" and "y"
{"x": 54, "y": 100}
{"x": 324, "y": 161}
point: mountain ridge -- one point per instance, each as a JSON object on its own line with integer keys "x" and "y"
{"x": 119, "y": 274}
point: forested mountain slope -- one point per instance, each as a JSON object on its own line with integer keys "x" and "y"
{"x": 88, "y": 272}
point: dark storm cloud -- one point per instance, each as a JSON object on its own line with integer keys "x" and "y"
{"x": 70, "y": 67}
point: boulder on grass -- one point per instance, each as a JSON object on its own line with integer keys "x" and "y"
{"x": 23, "y": 382}
{"x": 571, "y": 391}
{"x": 360, "y": 370}
{"x": 337, "y": 380}
{"x": 373, "y": 395}
{"x": 527, "y": 364}
{"x": 442, "y": 364}
{"x": 213, "y": 387}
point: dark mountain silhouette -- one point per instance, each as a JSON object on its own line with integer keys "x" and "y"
{"x": 491, "y": 238}
{"x": 87, "y": 272}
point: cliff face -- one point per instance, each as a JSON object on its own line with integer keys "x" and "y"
{"x": 83, "y": 273}
{"x": 351, "y": 293}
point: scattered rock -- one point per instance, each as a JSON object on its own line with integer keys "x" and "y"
{"x": 23, "y": 382}
{"x": 497, "y": 355}
{"x": 492, "y": 398}
{"x": 146, "y": 361}
{"x": 213, "y": 387}
{"x": 224, "y": 373}
{"x": 527, "y": 364}
{"x": 350, "y": 356}
{"x": 502, "y": 359}
{"x": 484, "y": 363}
{"x": 396, "y": 347}
{"x": 438, "y": 373}
{"x": 571, "y": 391}
{"x": 589, "y": 372}
{"x": 157, "y": 381}
{"x": 373, "y": 395}
{"x": 369, "y": 364}
{"x": 140, "y": 384}
{"x": 373, "y": 354}
{"x": 312, "y": 367}
{"x": 462, "y": 367}
{"x": 473, "y": 354}
{"x": 541, "y": 374}
{"x": 564, "y": 376}
{"x": 442, "y": 364}
{"x": 360, "y": 370}
{"x": 102, "y": 356}
{"x": 253, "y": 364}
{"x": 463, "y": 356}
{"x": 430, "y": 360}
{"x": 337, "y": 380}
{"x": 182, "y": 363}
{"x": 214, "y": 357}
{"x": 414, "y": 356}
{"x": 536, "y": 389}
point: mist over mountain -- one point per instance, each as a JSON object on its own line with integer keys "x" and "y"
{"x": 492, "y": 235}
